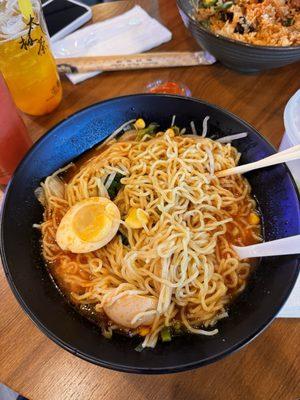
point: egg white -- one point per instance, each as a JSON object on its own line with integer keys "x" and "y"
{"x": 68, "y": 236}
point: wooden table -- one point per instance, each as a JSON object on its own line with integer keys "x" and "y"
{"x": 266, "y": 369}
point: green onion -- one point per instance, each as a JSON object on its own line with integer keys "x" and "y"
{"x": 149, "y": 130}
{"x": 227, "y": 5}
{"x": 107, "y": 333}
{"x": 115, "y": 186}
{"x": 177, "y": 328}
{"x": 165, "y": 334}
{"x": 224, "y": 6}
{"x": 139, "y": 348}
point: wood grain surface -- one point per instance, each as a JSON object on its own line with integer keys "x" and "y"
{"x": 269, "y": 367}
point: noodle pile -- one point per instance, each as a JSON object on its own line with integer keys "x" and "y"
{"x": 183, "y": 255}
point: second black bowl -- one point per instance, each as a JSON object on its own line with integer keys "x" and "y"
{"x": 234, "y": 54}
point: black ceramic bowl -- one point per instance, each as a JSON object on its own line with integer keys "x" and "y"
{"x": 234, "y": 54}
{"x": 268, "y": 288}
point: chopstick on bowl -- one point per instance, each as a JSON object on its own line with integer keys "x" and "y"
{"x": 293, "y": 153}
{"x": 133, "y": 61}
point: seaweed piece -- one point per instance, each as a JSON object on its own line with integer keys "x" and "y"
{"x": 124, "y": 238}
{"x": 239, "y": 29}
{"x": 115, "y": 186}
{"x": 288, "y": 22}
{"x": 226, "y": 16}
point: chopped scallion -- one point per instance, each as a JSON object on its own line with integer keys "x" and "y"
{"x": 149, "y": 130}
{"x": 177, "y": 328}
{"x": 107, "y": 333}
{"x": 139, "y": 348}
{"x": 224, "y": 6}
{"x": 165, "y": 334}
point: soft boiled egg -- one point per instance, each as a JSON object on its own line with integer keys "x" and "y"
{"x": 88, "y": 225}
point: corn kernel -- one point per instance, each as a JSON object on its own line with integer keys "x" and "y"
{"x": 136, "y": 218}
{"x": 144, "y": 330}
{"x": 170, "y": 132}
{"x": 139, "y": 124}
{"x": 253, "y": 219}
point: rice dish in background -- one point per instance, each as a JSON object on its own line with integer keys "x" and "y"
{"x": 259, "y": 22}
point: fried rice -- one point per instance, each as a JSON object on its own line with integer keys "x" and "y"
{"x": 259, "y": 22}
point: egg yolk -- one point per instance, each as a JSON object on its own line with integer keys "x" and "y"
{"x": 90, "y": 223}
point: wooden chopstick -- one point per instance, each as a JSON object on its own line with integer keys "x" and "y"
{"x": 133, "y": 61}
{"x": 293, "y": 153}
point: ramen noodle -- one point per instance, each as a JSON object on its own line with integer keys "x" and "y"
{"x": 138, "y": 233}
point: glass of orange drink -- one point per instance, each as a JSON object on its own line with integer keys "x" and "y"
{"x": 26, "y": 60}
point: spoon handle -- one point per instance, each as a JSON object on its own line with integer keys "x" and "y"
{"x": 279, "y": 247}
{"x": 293, "y": 153}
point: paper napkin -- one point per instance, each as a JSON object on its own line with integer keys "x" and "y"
{"x": 132, "y": 32}
{"x": 291, "y": 309}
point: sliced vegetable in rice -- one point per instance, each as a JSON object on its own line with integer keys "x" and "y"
{"x": 224, "y": 6}
{"x": 288, "y": 22}
{"x": 208, "y": 3}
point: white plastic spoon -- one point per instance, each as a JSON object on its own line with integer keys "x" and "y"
{"x": 279, "y": 247}
{"x": 293, "y": 153}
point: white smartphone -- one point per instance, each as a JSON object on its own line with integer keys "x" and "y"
{"x": 65, "y": 16}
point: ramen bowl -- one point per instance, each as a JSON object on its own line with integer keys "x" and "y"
{"x": 270, "y": 282}
{"x": 235, "y": 54}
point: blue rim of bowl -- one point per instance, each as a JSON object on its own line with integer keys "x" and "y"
{"x": 234, "y": 41}
{"x": 117, "y": 366}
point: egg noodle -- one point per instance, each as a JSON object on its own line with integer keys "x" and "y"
{"x": 182, "y": 256}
